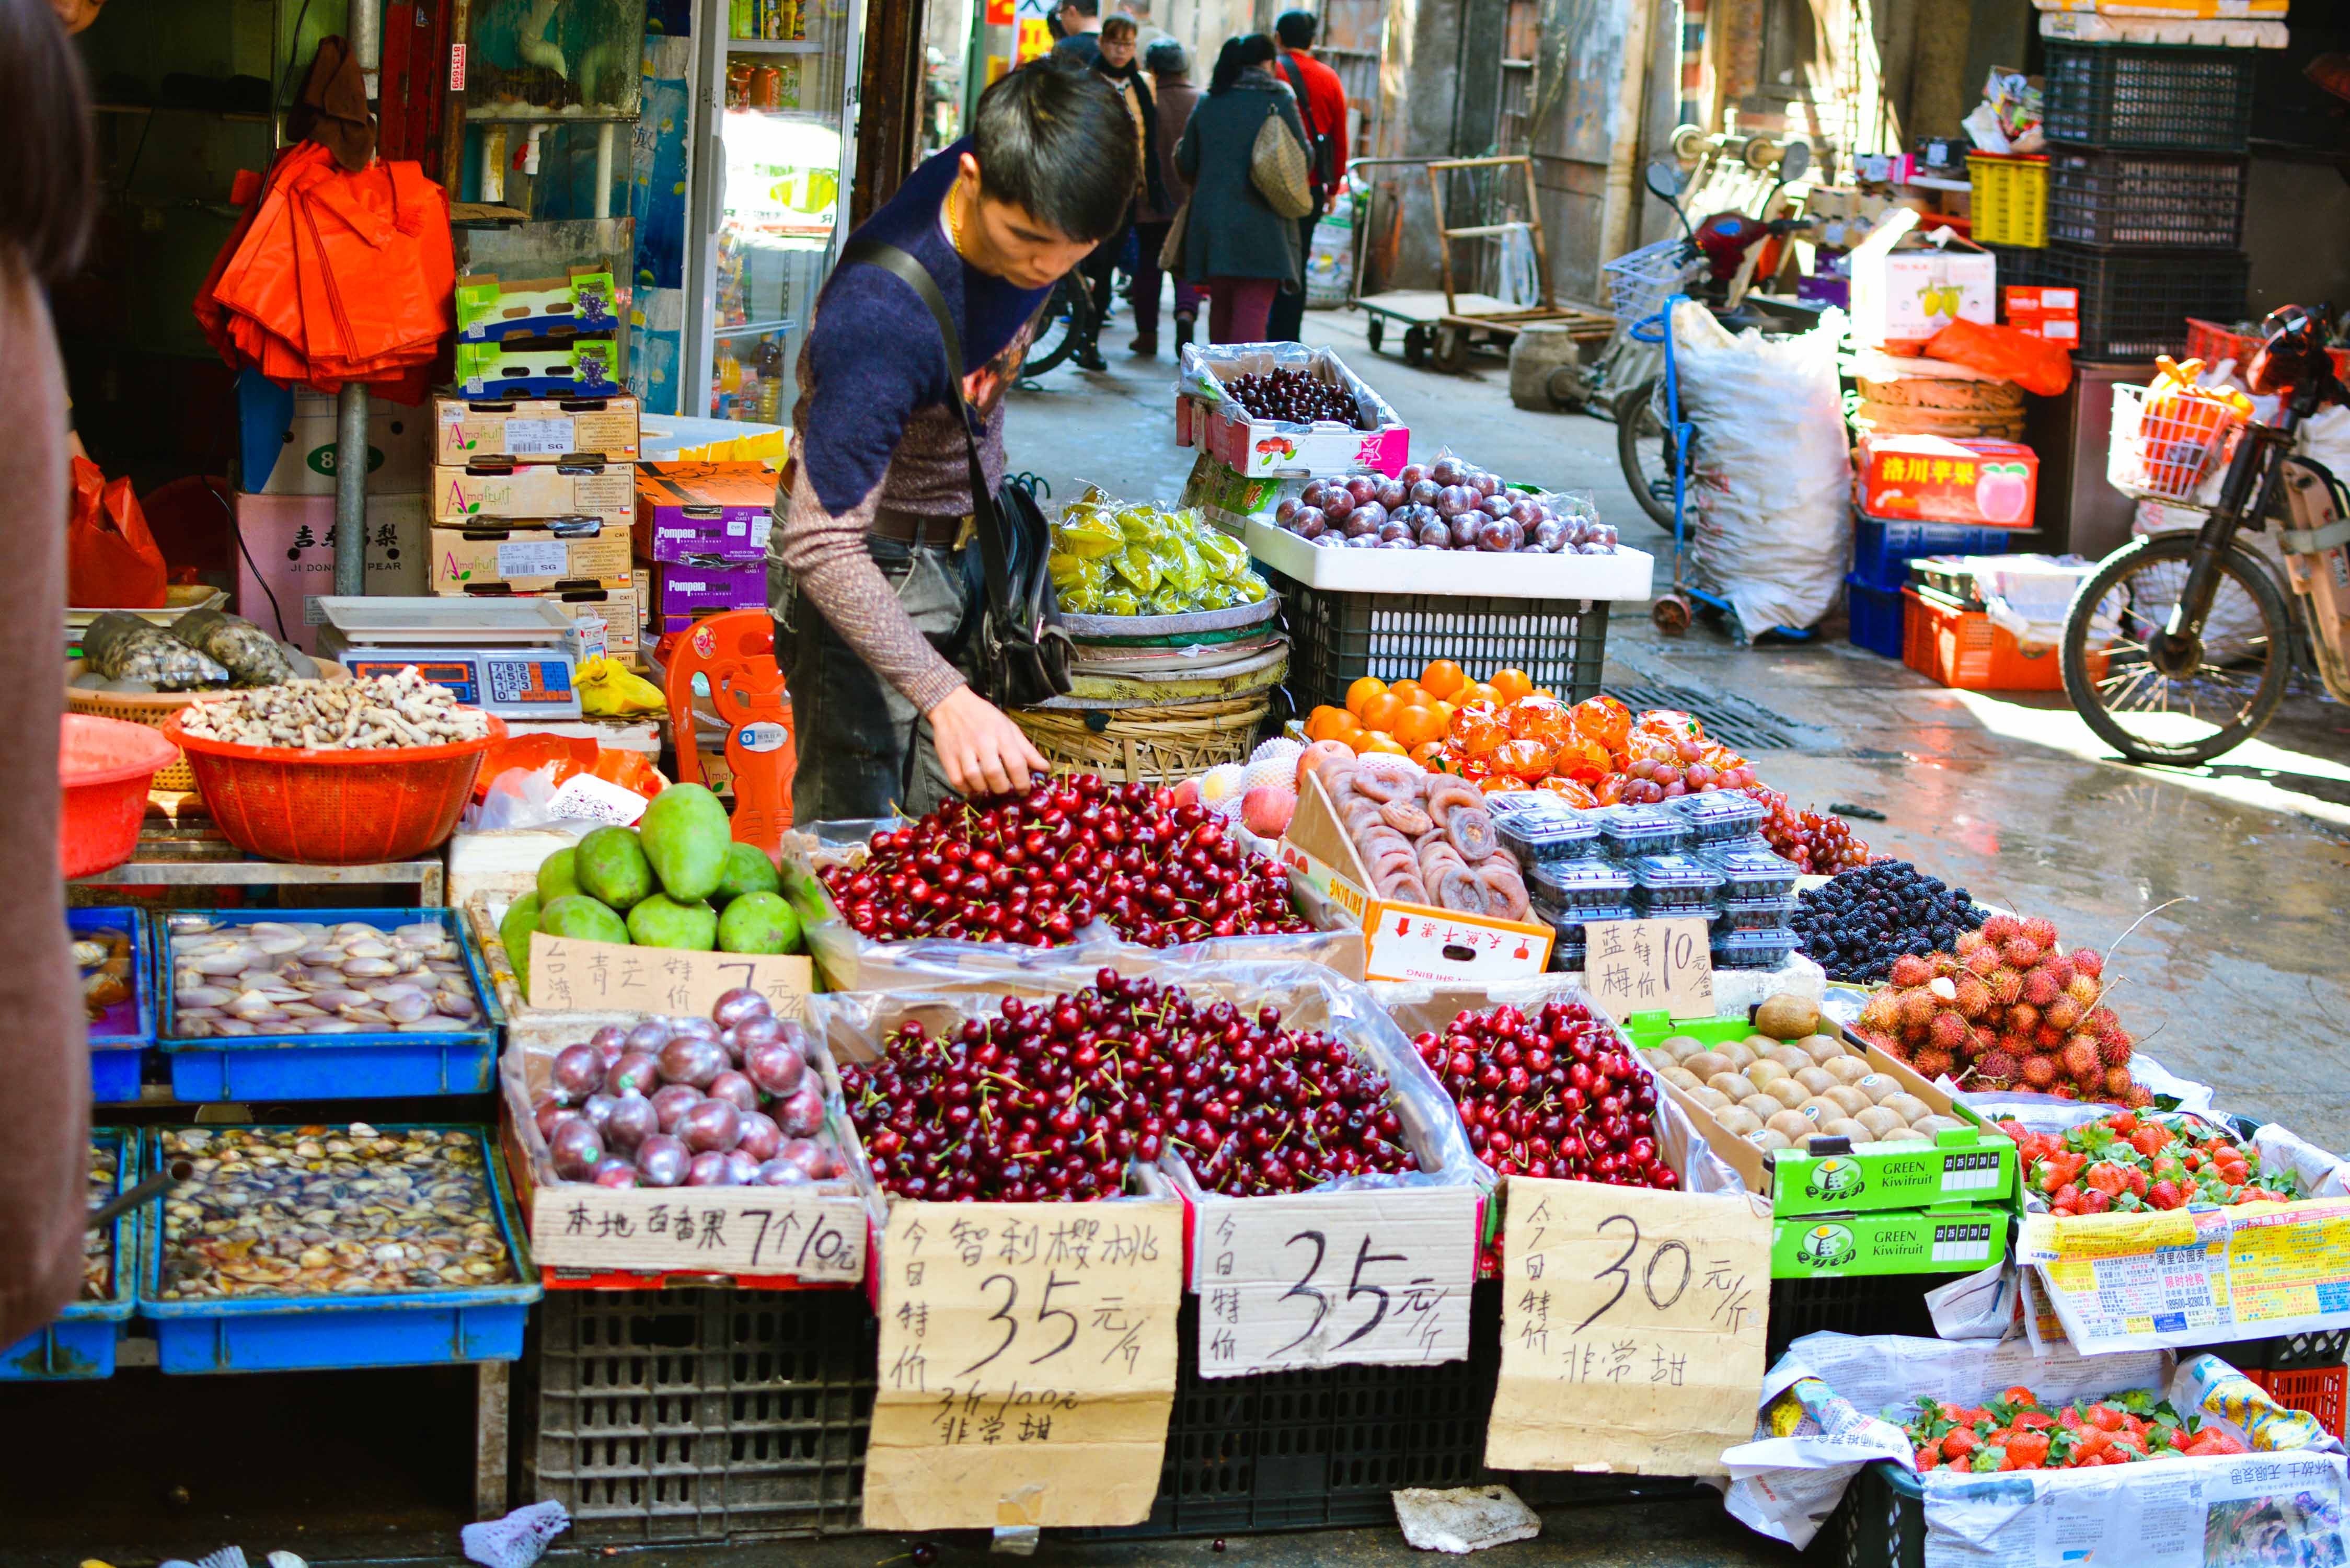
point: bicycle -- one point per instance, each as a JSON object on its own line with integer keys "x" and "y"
{"x": 2138, "y": 665}
{"x": 1057, "y": 333}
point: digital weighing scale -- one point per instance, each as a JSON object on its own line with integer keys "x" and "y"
{"x": 515, "y": 657}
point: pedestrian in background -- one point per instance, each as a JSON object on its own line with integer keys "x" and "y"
{"x": 1171, "y": 83}
{"x": 1321, "y": 98}
{"x": 1080, "y": 22}
{"x": 1233, "y": 242}
{"x": 1114, "y": 64}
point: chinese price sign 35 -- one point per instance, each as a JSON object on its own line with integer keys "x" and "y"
{"x": 1028, "y": 1363}
{"x": 1632, "y": 1327}
{"x": 1376, "y": 1278}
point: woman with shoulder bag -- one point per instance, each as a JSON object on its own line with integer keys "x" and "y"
{"x": 1244, "y": 153}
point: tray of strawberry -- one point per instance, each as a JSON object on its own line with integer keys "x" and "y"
{"x": 2124, "y": 1163}
{"x": 2016, "y": 1432}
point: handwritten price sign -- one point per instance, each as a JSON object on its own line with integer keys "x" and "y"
{"x": 1343, "y": 1279}
{"x": 569, "y": 974}
{"x": 1650, "y": 966}
{"x": 1631, "y": 1328}
{"x": 1028, "y": 1363}
{"x": 740, "y": 1232}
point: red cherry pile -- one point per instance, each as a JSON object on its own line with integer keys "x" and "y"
{"x": 1555, "y": 1094}
{"x": 1820, "y": 843}
{"x": 1048, "y": 1100}
{"x": 1032, "y": 869}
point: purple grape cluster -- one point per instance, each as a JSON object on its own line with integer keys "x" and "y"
{"x": 1442, "y": 505}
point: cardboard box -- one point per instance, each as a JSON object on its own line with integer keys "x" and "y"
{"x": 285, "y": 560}
{"x": 398, "y": 442}
{"x": 499, "y": 488}
{"x": 1256, "y": 447}
{"x": 2053, "y": 314}
{"x": 492, "y": 310}
{"x": 1405, "y": 941}
{"x": 1905, "y": 288}
{"x": 687, "y": 592}
{"x": 1953, "y": 1238}
{"x": 535, "y": 430}
{"x": 526, "y": 557}
{"x": 579, "y": 368}
{"x": 704, "y": 510}
{"x": 1936, "y": 479}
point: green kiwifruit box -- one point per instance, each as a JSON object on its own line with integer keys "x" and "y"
{"x": 1954, "y": 1238}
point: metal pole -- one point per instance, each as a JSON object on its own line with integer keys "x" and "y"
{"x": 605, "y": 135}
{"x": 351, "y": 406}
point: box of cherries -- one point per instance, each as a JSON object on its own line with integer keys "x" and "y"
{"x": 1447, "y": 504}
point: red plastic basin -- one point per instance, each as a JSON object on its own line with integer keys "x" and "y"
{"x": 105, "y": 766}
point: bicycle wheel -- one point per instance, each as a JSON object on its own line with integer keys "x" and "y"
{"x": 2176, "y": 702}
{"x": 1643, "y": 448}
{"x": 1057, "y": 334}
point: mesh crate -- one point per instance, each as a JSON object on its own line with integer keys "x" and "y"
{"x": 2103, "y": 197}
{"x": 1882, "y": 549}
{"x": 2134, "y": 304}
{"x": 1337, "y": 638}
{"x": 700, "y": 1414}
{"x": 2317, "y": 1390}
{"x": 2017, "y": 268}
{"x": 2147, "y": 96}
{"x": 2010, "y": 200}
{"x": 1880, "y": 1523}
{"x": 1876, "y": 615}
{"x": 1861, "y": 1303}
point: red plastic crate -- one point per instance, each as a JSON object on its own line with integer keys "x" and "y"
{"x": 2322, "y": 1391}
{"x": 1962, "y": 649}
{"x": 2210, "y": 342}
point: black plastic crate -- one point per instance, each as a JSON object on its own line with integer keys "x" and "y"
{"x": 2018, "y": 266}
{"x": 2291, "y": 1351}
{"x": 2147, "y": 96}
{"x": 1337, "y": 637}
{"x": 2134, "y": 304}
{"x": 1880, "y": 1523}
{"x": 699, "y": 1414}
{"x": 1861, "y": 1304}
{"x": 2181, "y": 201}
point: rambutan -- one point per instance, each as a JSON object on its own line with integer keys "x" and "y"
{"x": 2048, "y": 1037}
{"x": 1948, "y": 1031}
{"x": 2039, "y": 1072}
{"x": 1999, "y": 928}
{"x": 1945, "y": 965}
{"x": 2088, "y": 962}
{"x": 2040, "y": 929}
{"x": 2101, "y": 1020}
{"x": 2066, "y": 1092}
{"x": 2115, "y": 1048}
{"x": 2006, "y": 986}
{"x": 1984, "y": 961}
{"x": 2023, "y": 1018}
{"x": 2040, "y": 988}
{"x": 1997, "y": 1070}
{"x": 1916, "y": 1008}
{"x": 1931, "y": 1065}
{"x": 2118, "y": 1080}
{"x": 2020, "y": 951}
{"x": 1910, "y": 969}
{"x": 1969, "y": 944}
{"x": 2085, "y": 990}
{"x": 1974, "y": 997}
{"x": 1980, "y": 1039}
{"x": 1881, "y": 1014}
{"x": 2059, "y": 968}
{"x": 2139, "y": 1098}
{"x": 2080, "y": 1062}
{"x": 2063, "y": 1013}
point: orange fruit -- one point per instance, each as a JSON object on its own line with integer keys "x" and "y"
{"x": 1378, "y": 741}
{"x": 1418, "y": 724}
{"x": 1477, "y": 691}
{"x": 1320, "y": 724}
{"x": 1380, "y": 712}
{"x": 1362, "y": 692}
{"x": 1510, "y": 684}
{"x": 1442, "y": 678}
{"x": 1430, "y": 756}
{"x": 1407, "y": 691}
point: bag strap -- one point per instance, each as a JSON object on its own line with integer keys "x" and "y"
{"x": 1317, "y": 145}
{"x": 989, "y": 525}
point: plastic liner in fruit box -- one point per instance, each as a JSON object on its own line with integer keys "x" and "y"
{"x": 848, "y": 960}
{"x": 1817, "y": 1426}
{"x": 1417, "y": 1007}
{"x": 1202, "y": 369}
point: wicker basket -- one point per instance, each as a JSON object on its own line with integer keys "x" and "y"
{"x": 1148, "y": 745}
{"x": 151, "y": 709}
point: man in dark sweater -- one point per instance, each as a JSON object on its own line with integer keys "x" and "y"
{"x": 869, "y": 570}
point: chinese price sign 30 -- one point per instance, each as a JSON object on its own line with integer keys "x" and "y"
{"x": 1632, "y": 1328}
{"x": 1376, "y": 1278}
{"x": 1028, "y": 1363}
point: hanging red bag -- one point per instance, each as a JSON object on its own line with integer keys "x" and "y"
{"x": 112, "y": 562}
{"x": 2035, "y": 364}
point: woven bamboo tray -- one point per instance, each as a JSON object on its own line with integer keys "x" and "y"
{"x": 152, "y": 708}
{"x": 1146, "y": 744}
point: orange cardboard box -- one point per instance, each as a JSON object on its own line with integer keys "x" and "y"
{"x": 2053, "y": 314}
{"x": 1936, "y": 479}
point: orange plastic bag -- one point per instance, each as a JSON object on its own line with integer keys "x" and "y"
{"x": 112, "y": 562}
{"x": 2035, "y": 364}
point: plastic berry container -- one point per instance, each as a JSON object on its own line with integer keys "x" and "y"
{"x": 1572, "y": 886}
{"x": 1754, "y": 949}
{"x": 1752, "y": 914}
{"x": 1628, "y": 832}
{"x": 1540, "y": 837}
{"x": 1752, "y": 870}
{"x": 1716, "y": 815}
{"x": 1674, "y": 884}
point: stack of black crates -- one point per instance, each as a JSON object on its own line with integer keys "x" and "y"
{"x": 2147, "y": 177}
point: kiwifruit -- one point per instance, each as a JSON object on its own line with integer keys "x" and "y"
{"x": 1738, "y": 1120}
{"x": 1706, "y": 1064}
{"x": 1845, "y": 1069}
{"x": 1816, "y": 1079}
{"x": 1793, "y": 1126}
{"x": 1853, "y": 1101}
{"x": 1909, "y": 1108}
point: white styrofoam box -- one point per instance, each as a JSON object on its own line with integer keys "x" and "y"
{"x": 1520, "y": 574}
{"x": 399, "y": 450}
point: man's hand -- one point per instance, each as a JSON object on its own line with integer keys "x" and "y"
{"x": 983, "y": 752}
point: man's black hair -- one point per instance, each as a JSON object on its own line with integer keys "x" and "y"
{"x": 1057, "y": 142}
{"x": 1295, "y": 29}
{"x": 1166, "y": 57}
{"x": 1082, "y": 7}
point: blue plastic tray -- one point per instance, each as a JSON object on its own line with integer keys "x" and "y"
{"x": 331, "y": 1066}
{"x": 314, "y": 1334}
{"x": 81, "y": 1343}
{"x": 117, "y": 1044}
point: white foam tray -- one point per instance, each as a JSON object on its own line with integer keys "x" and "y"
{"x": 1626, "y": 575}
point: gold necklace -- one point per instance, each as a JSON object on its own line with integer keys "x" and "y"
{"x": 954, "y": 217}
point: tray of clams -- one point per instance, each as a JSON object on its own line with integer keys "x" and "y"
{"x": 1780, "y": 1094}
{"x": 325, "y": 1211}
{"x": 343, "y": 976}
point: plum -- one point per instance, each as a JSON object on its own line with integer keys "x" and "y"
{"x": 1392, "y": 530}
{"x": 1412, "y": 472}
{"x": 1336, "y": 504}
{"x": 1314, "y": 493}
{"x": 1358, "y": 525}
{"x": 1435, "y": 537}
{"x": 1494, "y": 506}
{"x": 1424, "y": 492}
{"x": 1394, "y": 493}
{"x": 736, "y": 1090}
{"x": 739, "y": 1006}
{"x": 1363, "y": 487}
{"x": 576, "y": 1149}
{"x": 1448, "y": 469}
{"x": 1548, "y": 535}
{"x": 1373, "y": 513}
{"x": 577, "y": 1072}
{"x": 1463, "y": 527}
{"x": 1485, "y": 483}
{"x": 1310, "y": 523}
{"x": 633, "y": 1120}
{"x": 709, "y": 1125}
{"x": 1363, "y": 541}
{"x": 661, "y": 1160}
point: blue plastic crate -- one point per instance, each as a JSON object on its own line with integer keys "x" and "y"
{"x": 313, "y": 1333}
{"x": 119, "y": 1040}
{"x": 1877, "y": 617}
{"x": 80, "y": 1342}
{"x": 1882, "y": 551}
{"x": 333, "y": 1066}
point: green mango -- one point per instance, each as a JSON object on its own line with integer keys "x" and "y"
{"x": 514, "y": 933}
{"x": 759, "y": 923}
{"x": 559, "y": 874}
{"x": 661, "y": 922}
{"x": 685, "y": 833}
{"x": 748, "y": 870}
{"x": 613, "y": 868}
{"x": 578, "y": 916}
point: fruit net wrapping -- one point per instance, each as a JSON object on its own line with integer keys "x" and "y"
{"x": 1203, "y": 368}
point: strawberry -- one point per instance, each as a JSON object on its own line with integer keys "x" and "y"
{"x": 2136, "y": 1179}
{"x": 2095, "y": 1201}
{"x": 2094, "y": 1442}
{"x": 2068, "y": 1197}
{"x": 2163, "y": 1195}
{"x": 2149, "y": 1140}
{"x": 2034, "y": 1421}
{"x": 2019, "y": 1395}
{"x": 1928, "y": 1459}
{"x": 2106, "y": 1417}
{"x": 1959, "y": 1443}
{"x": 2123, "y": 1122}
{"x": 2069, "y": 1418}
{"x": 2107, "y": 1177}
{"x": 2027, "y": 1451}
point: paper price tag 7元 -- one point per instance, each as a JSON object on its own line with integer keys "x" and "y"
{"x": 1631, "y": 1330}
{"x": 567, "y": 973}
{"x": 1028, "y": 1363}
{"x": 765, "y": 1231}
{"x": 1371, "y": 1278}
{"x": 1650, "y": 966}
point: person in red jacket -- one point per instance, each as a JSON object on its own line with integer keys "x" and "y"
{"x": 1322, "y": 104}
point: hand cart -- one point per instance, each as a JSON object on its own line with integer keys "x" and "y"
{"x": 1448, "y": 324}
{"x": 1674, "y": 610}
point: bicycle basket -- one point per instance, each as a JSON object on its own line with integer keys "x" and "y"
{"x": 2163, "y": 453}
{"x": 1639, "y": 282}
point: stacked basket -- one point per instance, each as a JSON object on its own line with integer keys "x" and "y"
{"x": 1158, "y": 698}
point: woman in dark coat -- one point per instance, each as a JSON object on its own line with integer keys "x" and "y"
{"x": 1233, "y": 242}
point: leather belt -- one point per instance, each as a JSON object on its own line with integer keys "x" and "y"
{"x": 922, "y": 531}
